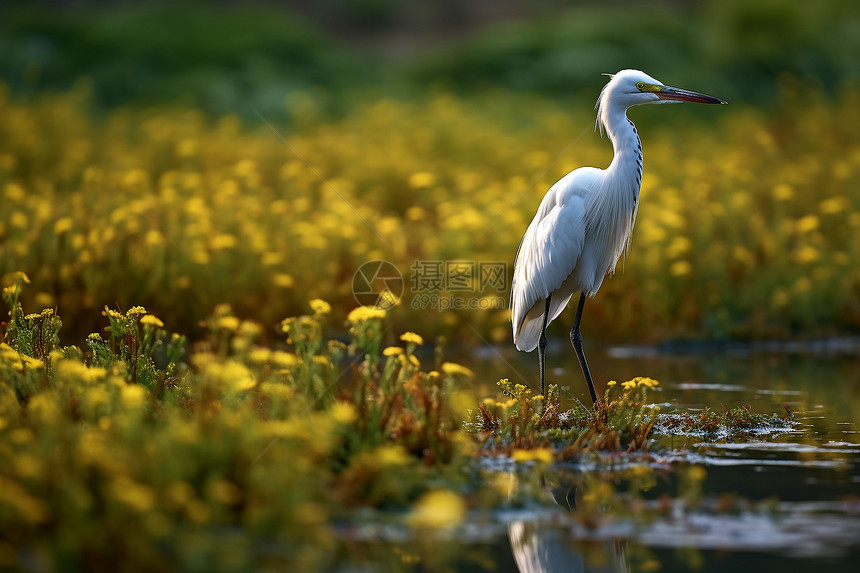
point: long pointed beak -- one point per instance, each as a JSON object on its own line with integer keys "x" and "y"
{"x": 678, "y": 94}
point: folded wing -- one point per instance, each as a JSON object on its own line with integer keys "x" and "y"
{"x": 547, "y": 255}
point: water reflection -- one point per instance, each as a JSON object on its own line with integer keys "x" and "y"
{"x": 539, "y": 549}
{"x": 788, "y": 494}
{"x": 779, "y": 500}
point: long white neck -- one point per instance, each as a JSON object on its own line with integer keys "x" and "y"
{"x": 612, "y": 208}
{"x": 626, "y": 164}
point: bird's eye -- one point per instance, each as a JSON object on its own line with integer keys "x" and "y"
{"x": 640, "y": 86}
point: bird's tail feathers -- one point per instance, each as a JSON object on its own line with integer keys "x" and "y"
{"x": 526, "y": 337}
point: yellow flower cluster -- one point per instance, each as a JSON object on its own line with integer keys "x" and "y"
{"x": 184, "y": 212}
{"x": 412, "y": 337}
{"x": 454, "y": 369}
{"x": 637, "y": 382}
{"x": 437, "y": 510}
{"x": 362, "y": 313}
{"x": 320, "y": 306}
{"x": 542, "y": 455}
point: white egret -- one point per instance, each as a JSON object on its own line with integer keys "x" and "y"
{"x": 585, "y": 221}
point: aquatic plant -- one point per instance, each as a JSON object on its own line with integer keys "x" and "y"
{"x": 739, "y": 423}
{"x": 621, "y": 421}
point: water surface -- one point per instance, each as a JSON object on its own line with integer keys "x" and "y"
{"x": 781, "y": 500}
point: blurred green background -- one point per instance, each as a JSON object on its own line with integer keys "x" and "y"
{"x": 232, "y": 56}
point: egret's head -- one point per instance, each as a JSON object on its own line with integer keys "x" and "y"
{"x": 633, "y": 87}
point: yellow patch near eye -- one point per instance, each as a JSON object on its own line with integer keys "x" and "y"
{"x": 643, "y": 87}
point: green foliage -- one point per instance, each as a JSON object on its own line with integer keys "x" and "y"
{"x": 276, "y": 443}
{"x": 36, "y": 334}
{"x": 136, "y": 340}
{"x": 236, "y": 59}
{"x": 229, "y": 58}
{"x": 740, "y": 46}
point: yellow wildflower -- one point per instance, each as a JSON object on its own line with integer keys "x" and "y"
{"x": 249, "y": 329}
{"x": 834, "y": 205}
{"x": 365, "y": 313}
{"x": 414, "y": 213}
{"x": 283, "y": 280}
{"x": 343, "y": 413}
{"x": 648, "y": 382}
{"x": 806, "y": 224}
{"x": 154, "y": 238}
{"x": 63, "y": 225}
{"x": 437, "y": 509}
{"x": 32, "y": 363}
{"x": 271, "y": 258}
{"x": 412, "y": 337}
{"x": 391, "y": 455}
{"x": 44, "y": 408}
{"x": 19, "y": 220}
{"x": 228, "y": 322}
{"x": 388, "y": 299}
{"x": 542, "y": 455}
{"x": 135, "y": 311}
{"x": 259, "y": 355}
{"x": 223, "y": 241}
{"x": 10, "y": 291}
{"x": 783, "y": 192}
{"x": 151, "y": 320}
{"x": 133, "y": 395}
{"x": 276, "y": 391}
{"x": 112, "y": 314}
{"x": 284, "y": 359}
{"x": 230, "y": 374}
{"x": 421, "y": 179}
{"x": 392, "y": 351}
{"x": 452, "y": 368}
{"x": 320, "y": 306}
{"x": 14, "y": 192}
{"x": 22, "y": 276}
{"x": 187, "y": 148}
{"x": 680, "y": 268}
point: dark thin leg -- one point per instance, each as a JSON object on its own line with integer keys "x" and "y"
{"x": 542, "y": 345}
{"x": 576, "y": 340}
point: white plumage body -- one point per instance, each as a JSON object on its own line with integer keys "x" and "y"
{"x": 582, "y": 228}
